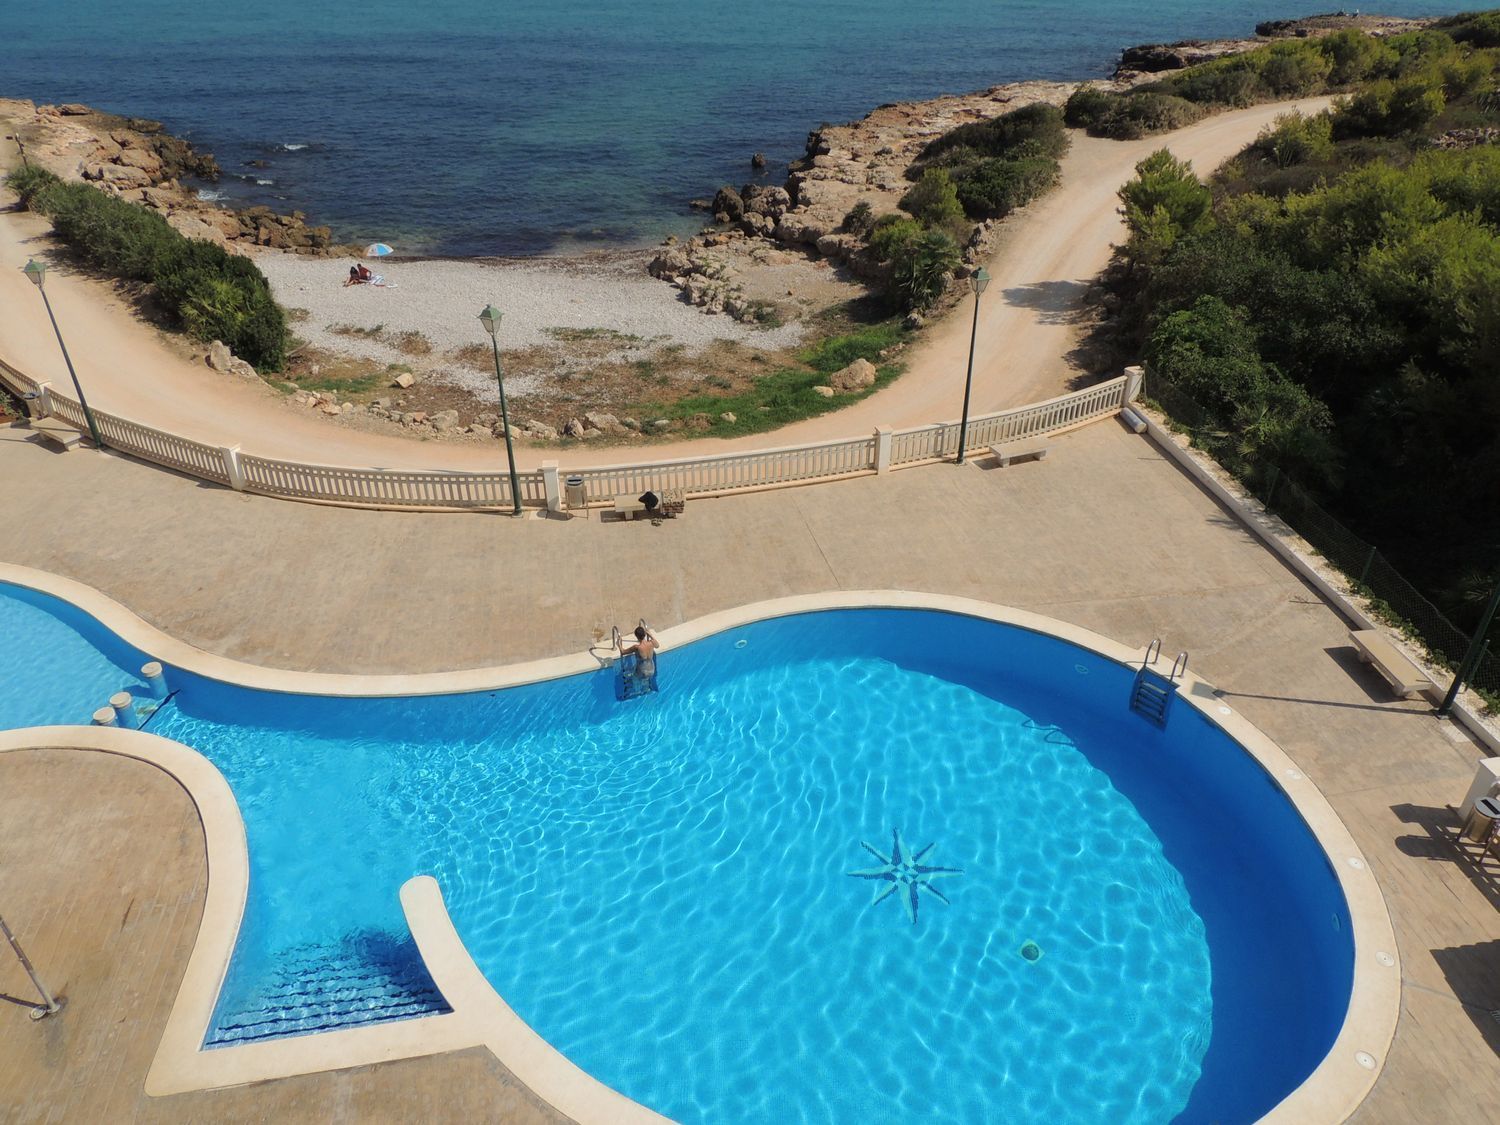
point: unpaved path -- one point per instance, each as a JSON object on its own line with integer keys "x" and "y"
{"x": 1027, "y": 327}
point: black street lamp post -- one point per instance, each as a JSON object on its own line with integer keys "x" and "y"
{"x": 978, "y": 280}
{"x": 490, "y": 318}
{"x": 38, "y": 273}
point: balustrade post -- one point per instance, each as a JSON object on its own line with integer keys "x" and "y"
{"x": 551, "y": 486}
{"x": 44, "y": 399}
{"x": 232, "y": 468}
{"x": 1133, "y": 379}
{"x": 882, "y": 449}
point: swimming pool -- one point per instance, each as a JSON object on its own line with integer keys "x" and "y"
{"x": 1142, "y": 927}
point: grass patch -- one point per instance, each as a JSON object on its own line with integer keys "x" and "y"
{"x": 786, "y": 395}
{"x": 411, "y": 343}
{"x": 575, "y": 335}
{"x": 354, "y": 385}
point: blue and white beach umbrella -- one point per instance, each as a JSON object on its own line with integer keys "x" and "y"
{"x": 377, "y": 250}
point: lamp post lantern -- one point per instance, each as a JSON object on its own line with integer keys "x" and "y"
{"x": 490, "y": 318}
{"x": 38, "y": 273}
{"x": 978, "y": 281}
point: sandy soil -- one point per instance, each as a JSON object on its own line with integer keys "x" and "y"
{"x": 440, "y": 300}
{"x": 1028, "y": 326}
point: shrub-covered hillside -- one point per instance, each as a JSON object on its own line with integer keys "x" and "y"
{"x": 1332, "y": 301}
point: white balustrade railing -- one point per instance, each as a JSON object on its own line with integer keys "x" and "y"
{"x": 713, "y": 474}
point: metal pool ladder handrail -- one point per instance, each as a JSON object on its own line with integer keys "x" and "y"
{"x": 1179, "y": 666}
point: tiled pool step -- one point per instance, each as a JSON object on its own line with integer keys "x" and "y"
{"x": 321, "y": 990}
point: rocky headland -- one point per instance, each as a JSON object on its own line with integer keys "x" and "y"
{"x": 136, "y": 159}
{"x": 869, "y": 161}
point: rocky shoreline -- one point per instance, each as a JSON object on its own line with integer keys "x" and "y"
{"x": 867, "y": 161}
{"x": 136, "y": 159}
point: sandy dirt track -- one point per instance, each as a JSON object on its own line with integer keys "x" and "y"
{"x": 1026, "y": 330}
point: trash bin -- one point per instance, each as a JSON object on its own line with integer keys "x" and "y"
{"x": 1481, "y": 822}
{"x": 577, "y": 496}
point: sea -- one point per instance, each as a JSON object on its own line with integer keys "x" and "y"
{"x": 526, "y": 127}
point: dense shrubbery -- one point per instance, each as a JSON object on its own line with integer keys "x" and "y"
{"x": 998, "y": 165}
{"x": 1345, "y": 324}
{"x": 213, "y": 294}
{"x": 1414, "y": 73}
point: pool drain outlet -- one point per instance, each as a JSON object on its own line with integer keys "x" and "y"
{"x": 1031, "y": 951}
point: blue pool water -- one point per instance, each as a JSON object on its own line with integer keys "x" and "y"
{"x": 461, "y": 128}
{"x": 1142, "y": 928}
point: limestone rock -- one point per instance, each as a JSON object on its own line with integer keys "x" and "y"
{"x": 331, "y": 408}
{"x": 856, "y": 377}
{"x": 604, "y": 423}
{"x": 728, "y": 416}
{"x": 73, "y": 109}
{"x": 727, "y": 202}
{"x": 765, "y": 199}
{"x": 660, "y": 425}
{"x": 539, "y": 429}
{"x": 405, "y": 379}
{"x": 219, "y": 356}
{"x": 445, "y": 421}
{"x": 144, "y": 159}
{"x": 826, "y": 392}
{"x": 241, "y": 368}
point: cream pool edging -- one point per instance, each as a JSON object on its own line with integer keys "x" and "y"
{"x": 1330, "y": 1094}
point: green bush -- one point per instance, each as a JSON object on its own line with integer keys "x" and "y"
{"x": 1479, "y": 29}
{"x": 933, "y": 201}
{"x": 1087, "y": 106}
{"x": 1140, "y": 114}
{"x": 31, "y": 184}
{"x": 994, "y": 188}
{"x": 891, "y": 234}
{"x": 1387, "y": 109}
{"x": 1234, "y": 81}
{"x": 1291, "y": 69}
{"x": 921, "y": 267}
{"x": 1355, "y": 57}
{"x": 213, "y": 294}
{"x": 1295, "y": 139}
{"x": 860, "y": 219}
{"x": 1040, "y": 125}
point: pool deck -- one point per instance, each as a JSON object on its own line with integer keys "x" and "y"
{"x": 102, "y": 870}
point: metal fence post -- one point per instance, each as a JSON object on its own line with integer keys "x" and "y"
{"x": 1364, "y": 574}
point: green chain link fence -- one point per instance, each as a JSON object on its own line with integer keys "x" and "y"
{"x": 1392, "y": 597}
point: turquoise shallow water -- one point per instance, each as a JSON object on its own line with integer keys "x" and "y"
{"x": 457, "y": 127}
{"x": 661, "y": 887}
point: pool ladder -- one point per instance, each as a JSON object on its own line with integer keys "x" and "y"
{"x": 627, "y": 684}
{"x": 1152, "y": 694}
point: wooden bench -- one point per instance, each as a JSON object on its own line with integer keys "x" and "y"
{"x": 63, "y": 436}
{"x": 1009, "y": 451}
{"x": 1375, "y": 649}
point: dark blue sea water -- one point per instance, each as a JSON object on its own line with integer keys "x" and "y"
{"x": 515, "y": 128}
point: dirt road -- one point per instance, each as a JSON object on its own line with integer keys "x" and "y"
{"x": 1027, "y": 327}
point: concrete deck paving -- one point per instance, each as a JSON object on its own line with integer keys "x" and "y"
{"x": 1106, "y": 534}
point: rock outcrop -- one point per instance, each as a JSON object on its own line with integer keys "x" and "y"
{"x": 137, "y": 160}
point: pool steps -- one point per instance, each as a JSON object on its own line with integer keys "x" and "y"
{"x": 325, "y": 989}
